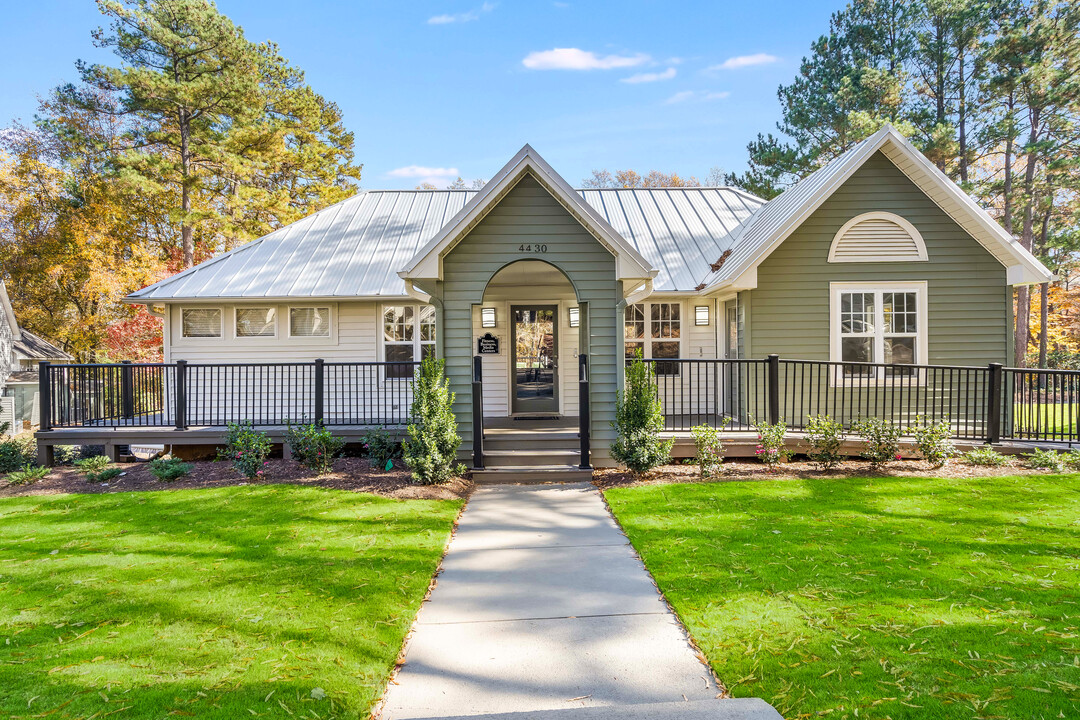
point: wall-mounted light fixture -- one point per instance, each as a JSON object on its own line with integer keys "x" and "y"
{"x": 701, "y": 315}
{"x": 487, "y": 317}
{"x": 575, "y": 317}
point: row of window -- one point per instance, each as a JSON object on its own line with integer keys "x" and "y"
{"x": 304, "y": 322}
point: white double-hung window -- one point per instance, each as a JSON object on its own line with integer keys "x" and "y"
{"x": 653, "y": 331}
{"x": 408, "y": 336}
{"x": 882, "y": 324}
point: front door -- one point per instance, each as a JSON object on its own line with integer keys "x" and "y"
{"x": 535, "y": 376}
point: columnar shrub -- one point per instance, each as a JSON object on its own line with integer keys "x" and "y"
{"x": 771, "y": 449}
{"x": 934, "y": 441}
{"x": 247, "y": 449}
{"x": 382, "y": 448}
{"x": 825, "y": 436}
{"x": 314, "y": 447}
{"x": 881, "y": 440}
{"x": 639, "y": 419}
{"x": 710, "y": 451}
{"x": 430, "y": 450}
{"x": 986, "y": 456}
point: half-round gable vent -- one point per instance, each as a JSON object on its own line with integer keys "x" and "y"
{"x": 877, "y": 237}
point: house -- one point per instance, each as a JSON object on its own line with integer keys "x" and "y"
{"x": 20, "y": 353}
{"x": 876, "y": 258}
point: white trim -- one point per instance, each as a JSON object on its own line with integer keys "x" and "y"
{"x": 922, "y": 333}
{"x": 236, "y": 322}
{"x": 417, "y": 343}
{"x": 331, "y": 335}
{"x": 9, "y": 313}
{"x": 647, "y": 339}
{"x": 913, "y": 233}
{"x": 220, "y": 337}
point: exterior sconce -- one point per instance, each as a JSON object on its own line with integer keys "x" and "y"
{"x": 487, "y": 317}
{"x": 575, "y": 317}
{"x": 701, "y": 315}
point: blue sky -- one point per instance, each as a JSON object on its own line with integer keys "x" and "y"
{"x": 433, "y": 90}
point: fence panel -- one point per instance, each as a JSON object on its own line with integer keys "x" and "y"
{"x": 1041, "y": 405}
{"x": 124, "y": 395}
{"x": 369, "y": 393}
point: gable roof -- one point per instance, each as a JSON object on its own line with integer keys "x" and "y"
{"x": 782, "y": 215}
{"x": 33, "y": 347}
{"x": 7, "y": 313}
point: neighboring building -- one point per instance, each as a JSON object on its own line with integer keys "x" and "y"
{"x": 877, "y": 257}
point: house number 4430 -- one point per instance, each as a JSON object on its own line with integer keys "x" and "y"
{"x": 532, "y": 248}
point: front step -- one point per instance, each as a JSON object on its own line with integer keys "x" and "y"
{"x": 727, "y": 709}
{"x": 532, "y": 441}
{"x": 531, "y": 474}
{"x": 530, "y": 458}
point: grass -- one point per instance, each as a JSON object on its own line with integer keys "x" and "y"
{"x": 876, "y": 598}
{"x": 1049, "y": 418}
{"x": 224, "y": 603}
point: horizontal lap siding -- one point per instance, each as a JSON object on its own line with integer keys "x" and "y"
{"x": 967, "y": 292}
{"x": 528, "y": 214}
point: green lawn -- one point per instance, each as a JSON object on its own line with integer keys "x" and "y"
{"x": 876, "y": 598}
{"x": 224, "y": 603}
{"x": 1050, "y": 418}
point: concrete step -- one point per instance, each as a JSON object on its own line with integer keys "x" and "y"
{"x": 529, "y": 457}
{"x": 534, "y": 474}
{"x": 727, "y": 709}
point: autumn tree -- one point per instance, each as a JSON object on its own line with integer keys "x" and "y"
{"x": 631, "y": 179}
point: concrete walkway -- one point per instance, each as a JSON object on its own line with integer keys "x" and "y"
{"x": 542, "y": 605}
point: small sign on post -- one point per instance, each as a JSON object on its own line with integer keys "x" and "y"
{"x": 487, "y": 344}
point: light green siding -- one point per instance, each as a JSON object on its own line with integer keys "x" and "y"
{"x": 966, "y": 289}
{"x": 529, "y": 215}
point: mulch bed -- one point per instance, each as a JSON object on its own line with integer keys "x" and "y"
{"x": 355, "y": 474}
{"x": 742, "y": 470}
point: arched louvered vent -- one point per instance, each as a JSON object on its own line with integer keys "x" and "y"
{"x": 877, "y": 237}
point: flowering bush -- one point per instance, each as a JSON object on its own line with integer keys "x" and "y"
{"x": 246, "y": 448}
{"x": 825, "y": 436}
{"x": 381, "y": 447}
{"x": 314, "y": 447}
{"x": 710, "y": 451}
{"x": 934, "y": 441}
{"x": 770, "y": 449}
{"x": 639, "y": 419}
{"x": 882, "y": 440}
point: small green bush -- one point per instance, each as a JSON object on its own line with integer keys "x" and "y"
{"x": 639, "y": 419}
{"x": 94, "y": 464}
{"x": 1072, "y": 459}
{"x": 314, "y": 447}
{"x": 169, "y": 469}
{"x": 986, "y": 456}
{"x": 771, "y": 449}
{"x": 934, "y": 441}
{"x": 27, "y": 474}
{"x": 382, "y": 448}
{"x": 247, "y": 449}
{"x": 431, "y": 448}
{"x": 1040, "y": 459}
{"x": 105, "y": 475}
{"x": 825, "y": 436}
{"x": 881, "y": 441}
{"x": 17, "y": 453}
{"x": 65, "y": 454}
{"x": 710, "y": 451}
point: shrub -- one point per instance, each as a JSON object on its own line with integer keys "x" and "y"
{"x": 104, "y": 475}
{"x": 382, "y": 448}
{"x": 710, "y": 451}
{"x": 17, "y": 453}
{"x": 825, "y": 436}
{"x": 934, "y": 441}
{"x": 771, "y": 449}
{"x": 881, "y": 440}
{"x": 27, "y": 474}
{"x": 431, "y": 448}
{"x": 986, "y": 456}
{"x": 639, "y": 419}
{"x": 246, "y": 448}
{"x": 65, "y": 454}
{"x": 169, "y": 469}
{"x": 314, "y": 447}
{"x": 1045, "y": 460}
{"x": 1072, "y": 459}
{"x": 97, "y": 463}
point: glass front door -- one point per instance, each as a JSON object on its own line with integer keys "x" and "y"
{"x": 536, "y": 360}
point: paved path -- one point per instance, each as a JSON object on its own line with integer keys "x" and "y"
{"x": 542, "y": 605}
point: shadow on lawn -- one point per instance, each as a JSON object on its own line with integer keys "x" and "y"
{"x": 210, "y": 603}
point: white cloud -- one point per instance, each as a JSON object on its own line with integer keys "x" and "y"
{"x": 419, "y": 171}
{"x": 741, "y": 61}
{"x": 695, "y": 95}
{"x": 717, "y": 95}
{"x": 680, "y": 97}
{"x": 650, "y": 77}
{"x": 469, "y": 16}
{"x": 577, "y": 59}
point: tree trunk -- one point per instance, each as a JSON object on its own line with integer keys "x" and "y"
{"x": 186, "y": 231}
{"x": 1044, "y": 318}
{"x": 1027, "y": 237}
{"x": 961, "y": 111}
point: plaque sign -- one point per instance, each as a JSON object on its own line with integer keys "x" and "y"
{"x": 487, "y": 344}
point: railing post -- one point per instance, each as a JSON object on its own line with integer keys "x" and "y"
{"x": 127, "y": 390}
{"x": 320, "y": 375}
{"x": 993, "y": 404}
{"x": 584, "y": 421}
{"x": 181, "y": 394}
{"x": 45, "y": 419}
{"x": 774, "y": 388}
{"x": 478, "y": 413}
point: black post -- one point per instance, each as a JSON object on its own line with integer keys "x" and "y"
{"x": 774, "y": 388}
{"x": 181, "y": 394}
{"x": 584, "y": 421}
{"x": 320, "y": 368}
{"x": 993, "y": 404}
{"x": 44, "y": 397}
{"x": 127, "y": 390}
{"x": 478, "y": 414}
